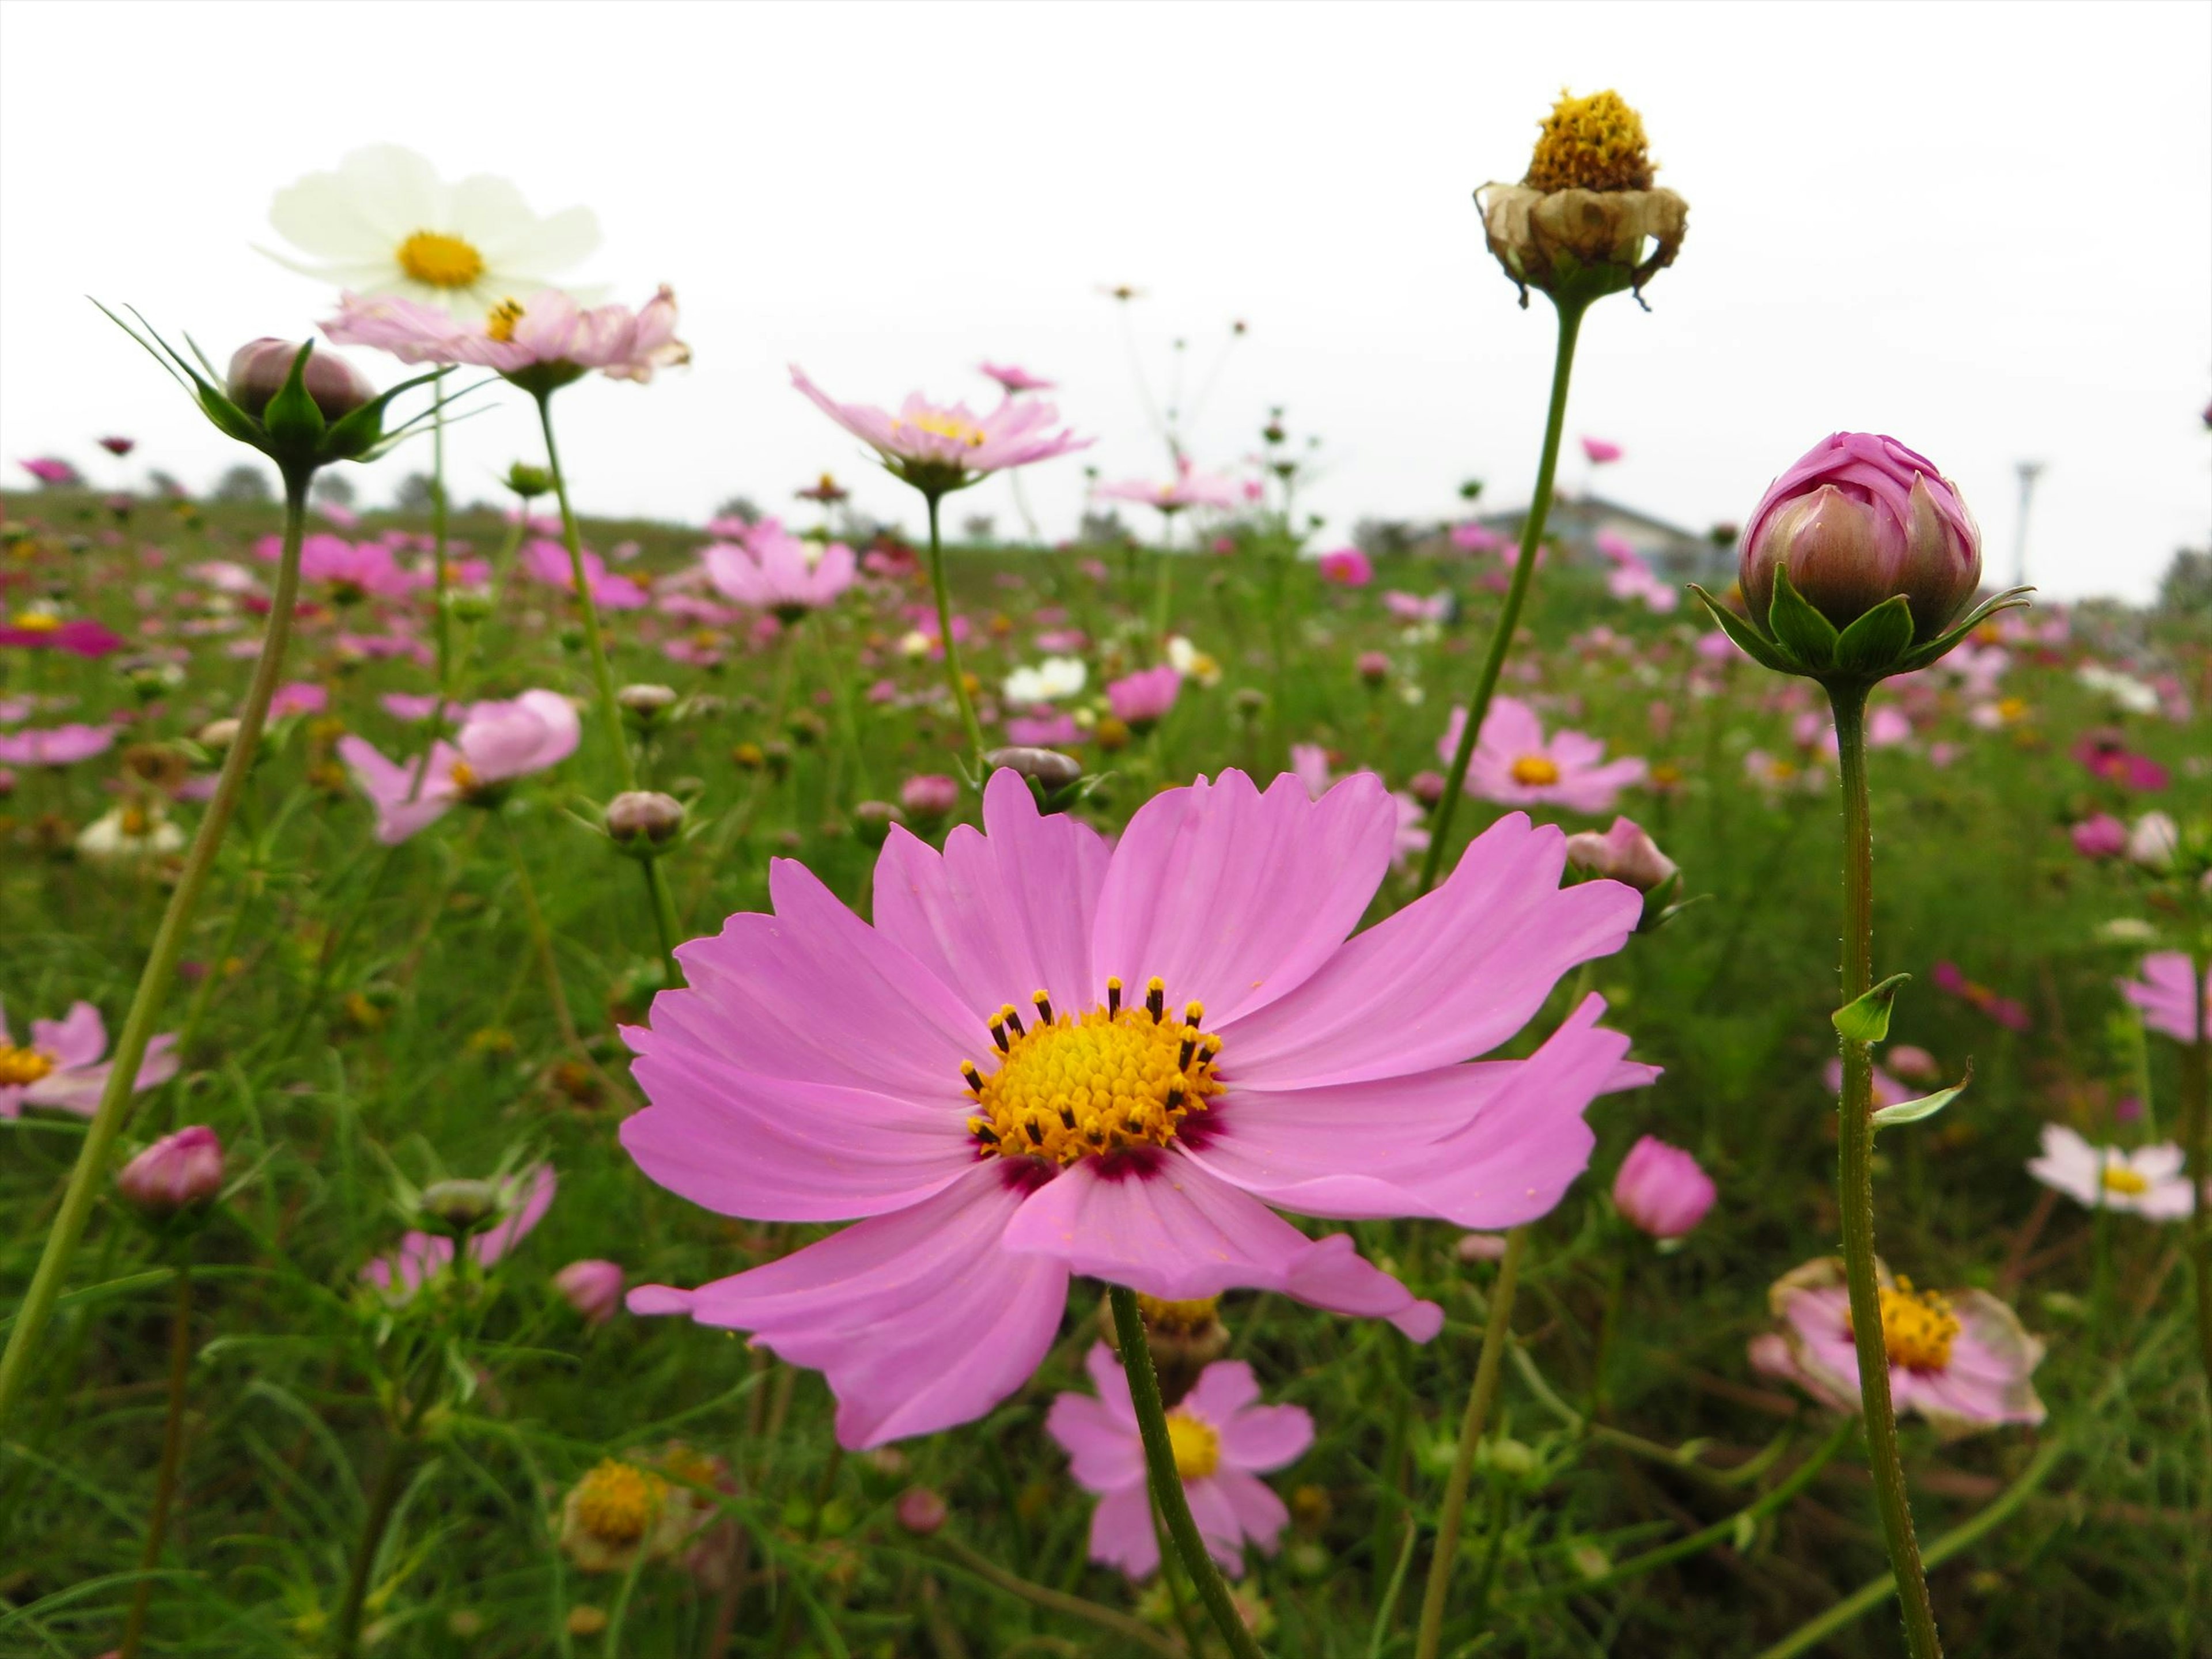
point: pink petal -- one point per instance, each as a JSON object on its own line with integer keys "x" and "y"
{"x": 1104, "y": 1455}
{"x": 1259, "y": 1514}
{"x": 1121, "y": 1533}
{"x": 1266, "y": 1436}
{"x": 77, "y": 1039}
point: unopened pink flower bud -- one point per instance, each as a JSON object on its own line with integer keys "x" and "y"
{"x": 1374, "y": 667}
{"x": 260, "y": 368}
{"x": 1427, "y": 787}
{"x": 1662, "y": 1189}
{"x": 929, "y": 795}
{"x": 1858, "y": 520}
{"x": 641, "y": 817}
{"x": 593, "y": 1288}
{"x": 178, "y": 1172}
{"x": 1624, "y": 853}
{"x": 1481, "y": 1247}
{"x": 920, "y": 1511}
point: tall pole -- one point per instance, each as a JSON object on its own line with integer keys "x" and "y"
{"x": 2029, "y": 472}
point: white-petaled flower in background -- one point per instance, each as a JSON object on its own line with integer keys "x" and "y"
{"x": 384, "y": 222}
{"x": 1049, "y": 682}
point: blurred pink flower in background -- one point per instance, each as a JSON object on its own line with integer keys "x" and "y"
{"x": 2105, "y": 753}
{"x": 1012, "y": 378}
{"x": 1598, "y": 451}
{"x": 769, "y": 568}
{"x": 945, "y": 445}
{"x": 549, "y": 329}
{"x": 1412, "y": 608}
{"x": 421, "y": 1257}
{"x": 55, "y": 745}
{"x": 593, "y": 1287}
{"x": 2008, "y": 1013}
{"x": 1142, "y": 700}
{"x": 1189, "y": 487}
{"x": 1347, "y": 567}
{"x": 297, "y": 698}
{"x": 178, "y": 1172}
{"x": 1662, "y": 1189}
{"x": 58, "y": 1064}
{"x": 1515, "y": 765}
{"x": 2146, "y": 1182}
{"x": 547, "y": 561}
{"x": 2165, "y": 995}
{"x": 2103, "y": 836}
{"x": 78, "y": 636}
{"x": 498, "y": 741}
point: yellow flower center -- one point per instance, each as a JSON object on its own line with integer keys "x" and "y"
{"x": 1197, "y": 1446}
{"x": 134, "y": 821}
{"x": 37, "y": 622}
{"x": 2011, "y": 708}
{"x": 1536, "y": 771}
{"x": 441, "y": 261}
{"x": 1087, "y": 1085}
{"x": 1917, "y": 1327}
{"x": 2118, "y": 1178}
{"x": 616, "y": 1502}
{"x": 1178, "y": 1318}
{"x": 463, "y": 774}
{"x": 944, "y": 424}
{"x": 1782, "y": 770}
{"x": 1591, "y": 144}
{"x": 500, "y": 325}
{"x": 19, "y": 1067}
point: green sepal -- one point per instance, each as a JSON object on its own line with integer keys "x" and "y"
{"x": 1752, "y": 643}
{"x": 293, "y": 422}
{"x": 1866, "y": 1018}
{"x": 1911, "y": 1111}
{"x": 1803, "y": 632}
{"x": 356, "y": 435}
{"x": 2013, "y": 599}
{"x": 1872, "y": 646}
{"x": 227, "y": 417}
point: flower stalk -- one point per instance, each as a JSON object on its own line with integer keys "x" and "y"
{"x": 2196, "y": 1137}
{"x": 154, "y": 982}
{"x": 1855, "y": 1184}
{"x": 1571, "y": 308}
{"x": 173, "y": 1442}
{"x": 952, "y": 670}
{"x": 1167, "y": 1485}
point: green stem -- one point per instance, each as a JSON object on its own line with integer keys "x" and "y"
{"x": 2196, "y": 1134}
{"x": 1855, "y": 1185}
{"x": 1167, "y": 1485}
{"x": 1129, "y": 1630}
{"x": 1495, "y": 1323}
{"x": 23, "y": 1338}
{"x": 952, "y": 671}
{"x": 173, "y": 1442}
{"x": 602, "y": 677}
{"x": 662, "y": 904}
{"x": 383, "y": 1497}
{"x": 1516, "y": 592}
{"x": 541, "y": 937}
{"x": 444, "y": 624}
{"x": 1871, "y": 1595}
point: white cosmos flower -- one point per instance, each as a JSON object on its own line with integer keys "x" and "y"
{"x": 385, "y": 223}
{"x": 128, "y": 835}
{"x": 1049, "y": 682}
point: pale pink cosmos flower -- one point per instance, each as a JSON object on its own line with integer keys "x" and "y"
{"x": 770, "y": 569}
{"x": 1412, "y": 608}
{"x": 498, "y": 741}
{"x": 1224, "y": 1440}
{"x": 1142, "y": 700}
{"x": 55, "y": 745}
{"x": 2146, "y": 1182}
{"x": 941, "y": 446}
{"x": 549, "y": 562}
{"x": 1514, "y": 764}
{"x": 1959, "y": 1359}
{"x": 1012, "y": 378}
{"x": 1189, "y": 487}
{"x": 299, "y": 697}
{"x": 227, "y": 575}
{"x": 350, "y": 570}
{"x": 421, "y": 1257}
{"x": 1200, "y": 963}
{"x": 548, "y": 331}
{"x": 1662, "y": 1189}
{"x": 2165, "y": 993}
{"x": 60, "y": 1065}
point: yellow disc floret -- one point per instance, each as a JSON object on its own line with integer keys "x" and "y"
{"x": 1070, "y": 1085}
{"x": 1591, "y": 144}
{"x": 1536, "y": 771}
{"x": 1917, "y": 1327}
{"x": 440, "y": 261}
{"x": 1197, "y": 1446}
{"x": 617, "y": 1502}
{"x": 944, "y": 424}
{"x": 500, "y": 324}
{"x": 20, "y": 1066}
{"x": 1179, "y": 1318}
{"x": 2118, "y": 1178}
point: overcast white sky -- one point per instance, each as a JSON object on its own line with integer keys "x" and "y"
{"x": 1986, "y": 229}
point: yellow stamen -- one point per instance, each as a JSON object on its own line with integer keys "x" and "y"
{"x": 616, "y": 1502}
{"x": 500, "y": 325}
{"x": 1074, "y": 1085}
{"x": 1536, "y": 771}
{"x": 19, "y": 1067}
{"x": 1197, "y": 1446}
{"x": 1596, "y": 142}
{"x": 463, "y": 774}
{"x": 1917, "y": 1327}
{"x": 2118, "y": 1178}
{"x": 440, "y": 260}
{"x": 944, "y": 425}
{"x": 1178, "y": 1318}
{"x": 37, "y": 622}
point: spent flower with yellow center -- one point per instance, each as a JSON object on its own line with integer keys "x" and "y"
{"x": 1591, "y": 144}
{"x": 612, "y": 1514}
{"x": 1112, "y": 1080}
{"x": 1918, "y": 1326}
{"x": 22, "y": 1067}
{"x": 441, "y": 260}
{"x": 1196, "y": 1444}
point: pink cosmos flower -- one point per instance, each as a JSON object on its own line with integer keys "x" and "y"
{"x": 421, "y": 1257}
{"x": 1959, "y": 1359}
{"x": 1011, "y": 378}
{"x": 1515, "y": 765}
{"x": 1348, "y": 567}
{"x": 297, "y": 698}
{"x": 1044, "y": 728}
{"x": 593, "y": 1287}
{"x": 772, "y": 570}
{"x": 1412, "y": 608}
{"x": 2165, "y": 993}
{"x": 1662, "y": 1189}
{"x": 1887, "y": 1091}
{"x": 2102, "y": 837}
{"x": 1142, "y": 700}
{"x": 51, "y": 471}
{"x": 227, "y": 575}
{"x": 547, "y": 561}
{"x": 1110, "y": 1136}
{"x": 1224, "y": 1440}
{"x": 55, "y": 745}
{"x": 1189, "y": 488}
{"x": 2008, "y": 1012}
{"x": 549, "y": 329}
{"x": 497, "y": 742}
{"x": 350, "y": 570}
{"x": 929, "y": 795}
{"x": 1600, "y": 452}
{"x": 59, "y": 1065}
{"x": 410, "y": 707}
{"x": 79, "y": 636}
{"x": 2105, "y": 753}
{"x": 180, "y": 1171}
{"x": 939, "y": 447}
{"x": 2146, "y": 1182}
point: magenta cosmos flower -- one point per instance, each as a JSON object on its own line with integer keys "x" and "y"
{"x": 1142, "y": 700}
{"x": 611, "y": 590}
{"x": 1960, "y": 1358}
{"x": 421, "y": 1257}
{"x": 547, "y": 339}
{"x": 1514, "y": 763}
{"x": 938, "y": 447}
{"x": 60, "y": 1066}
{"x": 770, "y": 569}
{"x": 2147, "y": 1182}
{"x": 349, "y": 571}
{"x": 1599, "y": 450}
{"x": 79, "y": 636}
{"x": 1662, "y": 1189}
{"x": 1047, "y": 1058}
{"x": 55, "y": 745}
{"x": 1348, "y": 567}
{"x": 498, "y": 741}
{"x": 2166, "y": 994}
{"x": 1224, "y": 1440}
